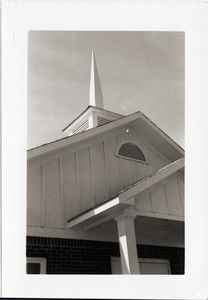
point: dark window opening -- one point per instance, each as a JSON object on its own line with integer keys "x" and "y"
{"x": 131, "y": 151}
{"x": 33, "y": 268}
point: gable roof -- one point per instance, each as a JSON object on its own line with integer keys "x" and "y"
{"x": 137, "y": 121}
{"x": 87, "y": 111}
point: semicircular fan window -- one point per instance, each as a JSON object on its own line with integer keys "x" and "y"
{"x": 130, "y": 150}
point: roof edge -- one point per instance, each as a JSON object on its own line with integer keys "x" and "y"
{"x": 64, "y": 142}
{"x": 179, "y": 161}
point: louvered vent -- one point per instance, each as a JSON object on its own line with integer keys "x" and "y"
{"x": 102, "y": 121}
{"x": 84, "y": 126}
{"x": 131, "y": 151}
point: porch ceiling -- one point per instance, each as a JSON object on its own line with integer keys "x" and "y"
{"x": 149, "y": 231}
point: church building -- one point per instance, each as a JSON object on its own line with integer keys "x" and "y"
{"x": 106, "y": 199}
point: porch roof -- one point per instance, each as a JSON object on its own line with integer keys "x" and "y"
{"x": 125, "y": 199}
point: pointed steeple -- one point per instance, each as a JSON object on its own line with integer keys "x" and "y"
{"x": 96, "y": 96}
{"x": 94, "y": 115}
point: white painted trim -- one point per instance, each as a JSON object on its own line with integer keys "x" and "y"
{"x": 78, "y": 193}
{"x": 43, "y": 197}
{"x": 54, "y": 146}
{"x": 120, "y": 143}
{"x": 146, "y": 260}
{"x": 61, "y": 186}
{"x": 149, "y": 214}
{"x": 93, "y": 212}
{"x": 40, "y": 260}
{"x": 129, "y": 194}
{"x": 94, "y": 224}
{"x": 157, "y": 261}
{"x": 106, "y": 167}
{"x": 152, "y": 202}
{"x": 77, "y": 123}
{"x": 95, "y": 236}
{"x": 121, "y": 175}
{"x": 168, "y": 200}
{"x": 127, "y": 244}
{"x": 72, "y": 148}
{"x": 94, "y": 202}
{"x": 148, "y": 145}
{"x": 151, "y": 180}
{"x": 180, "y": 191}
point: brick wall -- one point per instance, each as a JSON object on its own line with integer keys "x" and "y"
{"x": 93, "y": 257}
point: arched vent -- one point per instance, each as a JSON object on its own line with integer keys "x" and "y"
{"x": 130, "y": 150}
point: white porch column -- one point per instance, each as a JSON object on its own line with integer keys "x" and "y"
{"x": 127, "y": 244}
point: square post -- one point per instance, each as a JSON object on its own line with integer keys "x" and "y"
{"x": 127, "y": 244}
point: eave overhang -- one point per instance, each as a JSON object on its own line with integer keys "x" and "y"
{"x": 87, "y": 112}
{"x": 138, "y": 121}
{"x": 126, "y": 198}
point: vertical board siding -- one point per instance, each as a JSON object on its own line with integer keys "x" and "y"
{"x": 92, "y": 175}
{"x": 106, "y": 169}
{"x": 77, "y": 181}
{"x": 140, "y": 170}
{"x": 143, "y": 202}
{"x": 71, "y": 200}
{"x": 43, "y": 198}
{"x": 173, "y": 191}
{"x": 113, "y": 166}
{"x": 85, "y": 179}
{"x": 167, "y": 198}
{"x": 127, "y": 170}
{"x": 161, "y": 162}
{"x": 181, "y": 187}
{"x": 123, "y": 136}
{"x": 98, "y": 165}
{"x": 34, "y": 196}
{"x": 153, "y": 162}
{"x": 160, "y": 201}
{"x": 61, "y": 185}
{"x": 52, "y": 194}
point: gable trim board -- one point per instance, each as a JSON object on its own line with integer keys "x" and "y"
{"x": 125, "y": 199}
{"x": 138, "y": 121}
{"x": 91, "y": 111}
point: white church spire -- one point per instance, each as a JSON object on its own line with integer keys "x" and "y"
{"x": 95, "y": 115}
{"x": 96, "y": 96}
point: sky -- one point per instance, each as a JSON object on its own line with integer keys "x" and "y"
{"x": 138, "y": 71}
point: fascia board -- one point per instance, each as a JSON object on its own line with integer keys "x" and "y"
{"x": 80, "y": 119}
{"x": 125, "y": 198}
{"x": 59, "y": 144}
{"x": 98, "y": 214}
{"x": 162, "y": 134}
{"x": 152, "y": 180}
{"x": 62, "y": 143}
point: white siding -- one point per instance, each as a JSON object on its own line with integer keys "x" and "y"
{"x": 165, "y": 198}
{"x": 71, "y": 199}
{"x": 99, "y": 173}
{"x": 73, "y": 180}
{"x": 113, "y": 166}
{"x": 53, "y": 208}
{"x": 34, "y": 202}
{"x": 85, "y": 179}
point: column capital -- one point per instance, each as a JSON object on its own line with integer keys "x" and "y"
{"x": 124, "y": 216}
